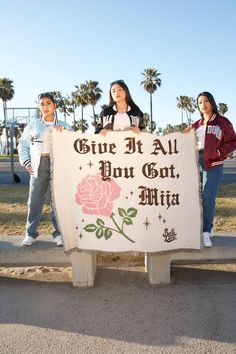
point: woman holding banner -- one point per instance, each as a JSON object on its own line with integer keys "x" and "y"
{"x": 122, "y": 113}
{"x": 35, "y": 147}
{"x": 215, "y": 140}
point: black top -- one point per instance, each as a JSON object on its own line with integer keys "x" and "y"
{"x": 107, "y": 117}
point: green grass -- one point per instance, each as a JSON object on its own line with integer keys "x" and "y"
{"x": 225, "y": 215}
{"x": 13, "y": 206}
{"x": 5, "y": 157}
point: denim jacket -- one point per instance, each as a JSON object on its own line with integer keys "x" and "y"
{"x": 31, "y": 142}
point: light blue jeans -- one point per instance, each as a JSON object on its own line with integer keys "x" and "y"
{"x": 209, "y": 185}
{"x": 37, "y": 192}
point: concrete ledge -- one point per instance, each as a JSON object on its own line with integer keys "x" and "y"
{"x": 159, "y": 265}
{"x": 44, "y": 252}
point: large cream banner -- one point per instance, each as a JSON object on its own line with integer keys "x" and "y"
{"x": 127, "y": 191}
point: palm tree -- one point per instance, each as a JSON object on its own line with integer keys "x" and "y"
{"x": 190, "y": 109}
{"x": 187, "y": 105}
{"x": 94, "y": 94}
{"x": 174, "y": 128}
{"x": 80, "y": 98}
{"x": 103, "y": 106}
{"x": 80, "y": 125}
{"x": 6, "y": 94}
{"x": 64, "y": 104}
{"x": 168, "y": 129}
{"x": 182, "y": 105}
{"x": 17, "y": 134}
{"x": 147, "y": 123}
{"x": 150, "y": 84}
{"x": 222, "y": 108}
{"x": 95, "y": 120}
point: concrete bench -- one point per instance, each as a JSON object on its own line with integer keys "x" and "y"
{"x": 46, "y": 253}
{"x": 158, "y": 266}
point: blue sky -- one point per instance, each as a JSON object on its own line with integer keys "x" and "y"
{"x": 53, "y": 45}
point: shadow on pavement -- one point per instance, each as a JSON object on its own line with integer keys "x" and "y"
{"x": 124, "y": 307}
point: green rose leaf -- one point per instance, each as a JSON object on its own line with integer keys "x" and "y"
{"x": 99, "y": 233}
{"x": 128, "y": 221}
{"x": 90, "y": 228}
{"x": 132, "y": 212}
{"x": 100, "y": 222}
{"x": 122, "y": 212}
{"x": 107, "y": 234}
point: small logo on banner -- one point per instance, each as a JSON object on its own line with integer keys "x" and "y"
{"x": 169, "y": 236}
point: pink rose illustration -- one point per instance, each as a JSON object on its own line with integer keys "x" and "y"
{"x": 96, "y": 196}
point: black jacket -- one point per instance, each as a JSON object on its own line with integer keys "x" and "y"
{"x": 107, "y": 117}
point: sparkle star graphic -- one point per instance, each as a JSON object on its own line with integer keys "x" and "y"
{"x": 90, "y": 164}
{"x": 146, "y": 223}
{"x": 131, "y": 193}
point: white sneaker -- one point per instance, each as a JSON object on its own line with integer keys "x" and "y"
{"x": 58, "y": 240}
{"x": 28, "y": 241}
{"x": 206, "y": 239}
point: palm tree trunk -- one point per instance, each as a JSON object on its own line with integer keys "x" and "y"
{"x": 4, "y": 112}
{"x": 94, "y": 118}
{"x": 6, "y": 129}
{"x": 74, "y": 115}
{"x": 8, "y": 143}
{"x": 188, "y": 117}
{"x": 82, "y": 118}
{"x": 151, "y": 110}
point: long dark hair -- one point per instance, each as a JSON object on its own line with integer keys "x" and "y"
{"x": 129, "y": 100}
{"x": 210, "y": 99}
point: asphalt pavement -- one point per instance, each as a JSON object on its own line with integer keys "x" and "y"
{"x": 121, "y": 314}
